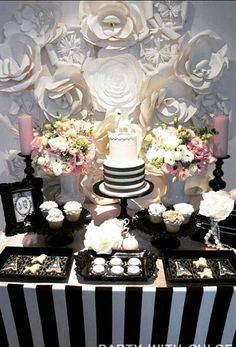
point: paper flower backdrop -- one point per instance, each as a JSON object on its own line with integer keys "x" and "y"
{"x": 132, "y": 55}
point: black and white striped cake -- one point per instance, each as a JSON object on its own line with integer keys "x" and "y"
{"x": 120, "y": 178}
{"x": 123, "y": 171}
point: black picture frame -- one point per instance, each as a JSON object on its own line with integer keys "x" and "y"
{"x": 20, "y": 199}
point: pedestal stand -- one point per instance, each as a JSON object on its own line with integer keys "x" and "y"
{"x": 123, "y": 200}
{"x": 217, "y": 183}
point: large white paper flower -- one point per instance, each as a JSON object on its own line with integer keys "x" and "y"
{"x": 202, "y": 60}
{"x": 114, "y": 82}
{"x": 166, "y": 97}
{"x": 20, "y": 63}
{"x": 66, "y": 92}
{"x": 113, "y": 24}
{"x": 216, "y": 205}
{"x": 39, "y": 20}
{"x": 105, "y": 237}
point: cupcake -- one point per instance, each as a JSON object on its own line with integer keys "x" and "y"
{"x": 173, "y": 220}
{"x": 155, "y": 212}
{"x": 72, "y": 210}
{"x": 55, "y": 218}
{"x": 186, "y": 210}
{"x": 46, "y": 206}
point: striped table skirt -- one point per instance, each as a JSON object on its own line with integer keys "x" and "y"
{"x": 116, "y": 316}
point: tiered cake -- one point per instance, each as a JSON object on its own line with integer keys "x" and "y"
{"x": 123, "y": 171}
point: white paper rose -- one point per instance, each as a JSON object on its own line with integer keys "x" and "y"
{"x": 216, "y": 205}
{"x": 66, "y": 92}
{"x": 20, "y": 63}
{"x": 165, "y": 97}
{"x": 37, "y": 20}
{"x": 112, "y": 24}
{"x": 202, "y": 60}
{"x": 114, "y": 82}
{"x": 104, "y": 238}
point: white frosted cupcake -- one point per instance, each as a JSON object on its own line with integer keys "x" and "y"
{"x": 55, "y": 218}
{"x": 186, "y": 210}
{"x": 155, "y": 212}
{"x": 72, "y": 210}
{"x": 46, "y": 206}
{"x": 172, "y": 220}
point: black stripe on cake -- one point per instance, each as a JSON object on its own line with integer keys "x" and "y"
{"x": 113, "y": 175}
{"x": 125, "y": 190}
{"x": 123, "y": 169}
{"x": 117, "y": 183}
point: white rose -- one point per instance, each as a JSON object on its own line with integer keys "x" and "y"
{"x": 20, "y": 63}
{"x": 217, "y": 205}
{"x": 41, "y": 161}
{"x": 58, "y": 143}
{"x": 103, "y": 238}
{"x": 169, "y": 157}
{"x": 178, "y": 155}
{"x": 112, "y": 24}
{"x": 66, "y": 93}
{"x": 56, "y": 168}
{"x": 165, "y": 97}
{"x": 187, "y": 156}
{"x": 171, "y": 141}
{"x": 202, "y": 60}
{"x": 114, "y": 82}
{"x": 151, "y": 154}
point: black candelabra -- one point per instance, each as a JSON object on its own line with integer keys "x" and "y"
{"x": 217, "y": 182}
{"x": 29, "y": 170}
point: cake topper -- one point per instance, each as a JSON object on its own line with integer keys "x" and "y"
{"x": 123, "y": 123}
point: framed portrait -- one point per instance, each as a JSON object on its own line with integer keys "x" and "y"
{"x": 19, "y": 199}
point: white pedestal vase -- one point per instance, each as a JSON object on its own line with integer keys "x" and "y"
{"x": 175, "y": 192}
{"x": 71, "y": 189}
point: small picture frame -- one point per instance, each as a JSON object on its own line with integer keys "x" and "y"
{"x": 19, "y": 199}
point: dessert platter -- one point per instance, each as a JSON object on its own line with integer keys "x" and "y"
{"x": 57, "y": 234}
{"x": 35, "y": 264}
{"x": 199, "y": 267}
{"x": 117, "y": 266}
{"x": 160, "y": 238}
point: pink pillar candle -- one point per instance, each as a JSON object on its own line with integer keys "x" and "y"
{"x": 220, "y": 141}
{"x": 25, "y": 127}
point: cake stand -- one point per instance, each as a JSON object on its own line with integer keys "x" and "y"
{"x": 123, "y": 199}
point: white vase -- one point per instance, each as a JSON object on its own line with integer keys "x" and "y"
{"x": 71, "y": 189}
{"x": 175, "y": 192}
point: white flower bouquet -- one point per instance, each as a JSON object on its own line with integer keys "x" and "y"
{"x": 216, "y": 205}
{"x": 105, "y": 237}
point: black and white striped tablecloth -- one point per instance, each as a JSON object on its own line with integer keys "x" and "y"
{"x": 116, "y": 316}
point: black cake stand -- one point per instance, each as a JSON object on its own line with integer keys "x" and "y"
{"x": 123, "y": 200}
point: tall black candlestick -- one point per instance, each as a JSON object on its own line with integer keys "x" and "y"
{"x": 217, "y": 183}
{"x": 29, "y": 170}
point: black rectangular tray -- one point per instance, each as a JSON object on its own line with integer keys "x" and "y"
{"x": 147, "y": 259}
{"x": 226, "y": 258}
{"x": 17, "y": 258}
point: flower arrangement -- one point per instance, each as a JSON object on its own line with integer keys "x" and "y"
{"x": 105, "y": 237}
{"x": 65, "y": 147}
{"x": 216, "y": 205}
{"x": 179, "y": 151}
